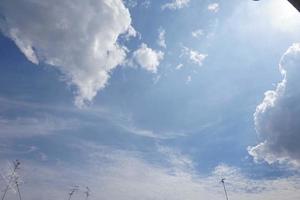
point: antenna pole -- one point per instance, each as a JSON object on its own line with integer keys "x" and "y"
{"x": 73, "y": 190}
{"x": 225, "y": 191}
{"x": 18, "y": 189}
{"x": 70, "y": 194}
{"x": 87, "y": 193}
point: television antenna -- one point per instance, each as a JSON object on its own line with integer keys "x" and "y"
{"x": 12, "y": 179}
{"x": 87, "y": 193}
{"x": 73, "y": 189}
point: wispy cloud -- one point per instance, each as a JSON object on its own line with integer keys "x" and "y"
{"x": 21, "y": 127}
{"x": 194, "y": 56}
{"x": 179, "y": 66}
{"x": 175, "y": 4}
{"x": 46, "y": 120}
{"x": 188, "y": 79}
{"x": 197, "y": 33}
{"x": 161, "y": 41}
{"x": 213, "y": 7}
{"x": 150, "y": 133}
{"x": 135, "y": 3}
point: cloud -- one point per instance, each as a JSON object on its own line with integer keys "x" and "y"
{"x": 47, "y": 120}
{"x": 197, "y": 33}
{"x": 188, "y": 79}
{"x": 146, "y": 3}
{"x": 79, "y": 38}
{"x": 125, "y": 175}
{"x": 213, "y": 7}
{"x": 161, "y": 38}
{"x": 147, "y": 58}
{"x": 195, "y": 56}
{"x": 175, "y": 4}
{"x": 131, "y": 3}
{"x": 160, "y": 135}
{"x": 135, "y": 3}
{"x": 30, "y": 126}
{"x": 179, "y": 66}
{"x": 277, "y": 117}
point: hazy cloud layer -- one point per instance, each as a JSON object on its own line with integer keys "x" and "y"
{"x": 117, "y": 174}
{"x": 277, "y": 117}
{"x": 77, "y": 37}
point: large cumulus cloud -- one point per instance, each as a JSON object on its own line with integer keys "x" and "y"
{"x": 77, "y": 37}
{"x": 277, "y": 118}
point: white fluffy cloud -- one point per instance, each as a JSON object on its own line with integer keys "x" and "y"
{"x": 176, "y": 4}
{"x": 77, "y": 37}
{"x": 213, "y": 7}
{"x": 147, "y": 58}
{"x": 277, "y": 117}
{"x": 195, "y": 56}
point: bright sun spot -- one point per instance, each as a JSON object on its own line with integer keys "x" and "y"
{"x": 284, "y": 16}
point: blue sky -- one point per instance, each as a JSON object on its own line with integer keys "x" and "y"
{"x": 143, "y": 99}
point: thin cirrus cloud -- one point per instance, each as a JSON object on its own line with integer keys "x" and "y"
{"x": 175, "y": 4}
{"x": 23, "y": 127}
{"x": 277, "y": 117}
{"x": 71, "y": 36}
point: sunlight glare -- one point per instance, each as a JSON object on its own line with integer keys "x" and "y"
{"x": 284, "y": 16}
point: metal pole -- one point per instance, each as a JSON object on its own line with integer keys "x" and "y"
{"x": 87, "y": 193}
{"x": 73, "y": 190}
{"x": 225, "y": 191}
{"x": 18, "y": 189}
{"x": 70, "y": 195}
